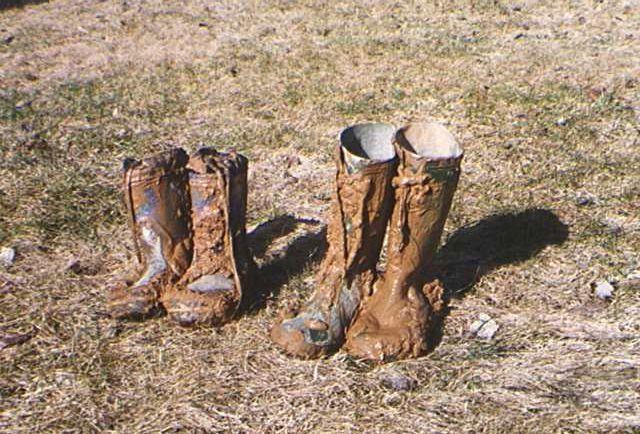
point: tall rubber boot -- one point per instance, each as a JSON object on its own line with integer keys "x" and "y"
{"x": 395, "y": 321}
{"x": 211, "y": 290}
{"x": 357, "y": 221}
{"x": 157, "y": 203}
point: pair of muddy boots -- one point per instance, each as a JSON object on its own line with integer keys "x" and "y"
{"x": 403, "y": 180}
{"x": 187, "y": 215}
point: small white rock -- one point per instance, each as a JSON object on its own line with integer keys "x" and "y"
{"x": 476, "y": 326}
{"x": 604, "y": 290}
{"x": 488, "y": 330}
{"x": 7, "y": 256}
{"x": 484, "y": 327}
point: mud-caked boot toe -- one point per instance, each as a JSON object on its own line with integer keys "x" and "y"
{"x": 132, "y": 303}
{"x": 298, "y": 339}
{"x": 309, "y": 334}
{"x": 210, "y": 300}
{"x": 389, "y": 330}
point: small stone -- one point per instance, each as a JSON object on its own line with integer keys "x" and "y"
{"x": 7, "y": 256}
{"x": 392, "y": 399}
{"x": 511, "y": 143}
{"x": 8, "y": 39}
{"x": 74, "y": 266}
{"x": 488, "y": 330}
{"x": 604, "y": 290}
{"x": 613, "y": 224}
{"x": 476, "y": 326}
{"x": 484, "y": 327}
{"x": 562, "y": 122}
{"x": 584, "y": 201}
{"x": 398, "y": 381}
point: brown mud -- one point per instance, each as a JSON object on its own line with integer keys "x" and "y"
{"x": 394, "y": 322}
{"x": 211, "y": 289}
{"x": 357, "y": 220}
{"x": 157, "y": 204}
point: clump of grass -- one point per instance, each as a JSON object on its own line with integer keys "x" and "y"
{"x": 76, "y": 205}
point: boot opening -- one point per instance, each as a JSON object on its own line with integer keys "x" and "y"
{"x": 430, "y": 140}
{"x": 155, "y": 166}
{"x": 201, "y": 161}
{"x": 369, "y": 141}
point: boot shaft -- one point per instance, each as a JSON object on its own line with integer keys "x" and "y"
{"x": 428, "y": 173}
{"x": 362, "y": 203}
{"x": 157, "y": 202}
{"x": 218, "y": 187}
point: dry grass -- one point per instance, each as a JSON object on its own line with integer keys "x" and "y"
{"x": 544, "y": 95}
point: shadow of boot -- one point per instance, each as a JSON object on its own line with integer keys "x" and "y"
{"x": 8, "y": 4}
{"x": 282, "y": 248}
{"x": 475, "y": 250}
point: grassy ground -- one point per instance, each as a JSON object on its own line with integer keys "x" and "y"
{"x": 545, "y": 97}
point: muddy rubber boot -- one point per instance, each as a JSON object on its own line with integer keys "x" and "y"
{"x": 157, "y": 202}
{"x": 212, "y": 288}
{"x": 357, "y": 221}
{"x": 395, "y": 321}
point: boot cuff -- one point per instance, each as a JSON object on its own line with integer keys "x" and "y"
{"x": 156, "y": 165}
{"x": 366, "y": 144}
{"x": 430, "y": 142}
{"x": 207, "y": 160}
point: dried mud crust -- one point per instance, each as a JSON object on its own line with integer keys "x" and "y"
{"x": 211, "y": 289}
{"x": 395, "y": 328}
{"x": 157, "y": 204}
{"x": 395, "y": 322}
{"x": 358, "y": 217}
{"x": 133, "y": 302}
